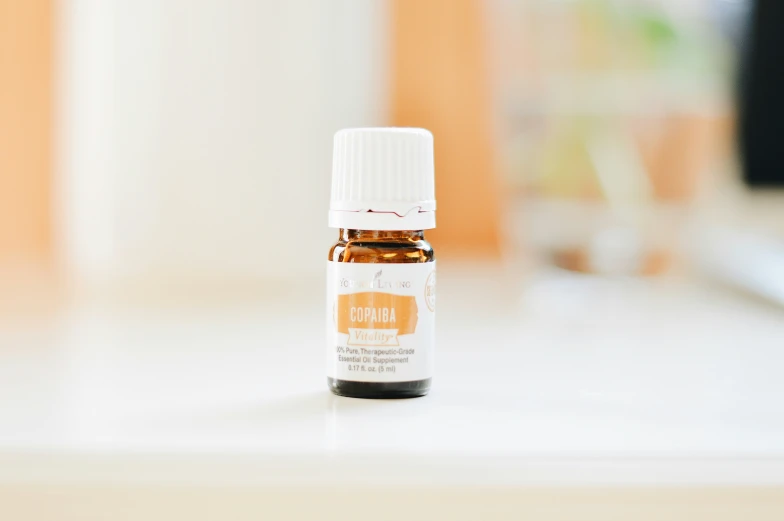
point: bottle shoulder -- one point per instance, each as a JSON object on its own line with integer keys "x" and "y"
{"x": 382, "y": 251}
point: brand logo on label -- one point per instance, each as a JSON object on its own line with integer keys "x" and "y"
{"x": 430, "y": 291}
{"x": 376, "y": 283}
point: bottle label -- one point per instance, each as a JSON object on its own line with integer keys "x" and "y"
{"x": 380, "y": 321}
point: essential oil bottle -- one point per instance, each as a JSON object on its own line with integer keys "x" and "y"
{"x": 381, "y": 273}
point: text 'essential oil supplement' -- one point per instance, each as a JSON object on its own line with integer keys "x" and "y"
{"x": 381, "y": 274}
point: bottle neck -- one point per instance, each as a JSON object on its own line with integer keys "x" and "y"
{"x": 347, "y": 234}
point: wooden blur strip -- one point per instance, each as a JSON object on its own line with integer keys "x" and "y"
{"x": 26, "y": 109}
{"x": 144, "y": 500}
{"x": 440, "y": 81}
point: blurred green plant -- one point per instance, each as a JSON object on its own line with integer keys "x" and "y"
{"x": 630, "y": 55}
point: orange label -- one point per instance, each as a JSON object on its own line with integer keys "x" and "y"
{"x": 376, "y": 310}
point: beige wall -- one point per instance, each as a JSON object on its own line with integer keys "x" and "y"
{"x": 438, "y": 63}
{"x": 197, "y": 136}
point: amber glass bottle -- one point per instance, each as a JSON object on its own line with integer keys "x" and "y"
{"x": 381, "y": 247}
{"x": 381, "y": 272}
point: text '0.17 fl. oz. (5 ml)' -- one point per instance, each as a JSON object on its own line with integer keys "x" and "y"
{"x": 381, "y": 274}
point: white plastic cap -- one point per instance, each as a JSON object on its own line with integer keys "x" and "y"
{"x": 383, "y": 179}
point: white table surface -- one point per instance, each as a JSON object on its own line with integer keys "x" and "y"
{"x": 571, "y": 369}
{"x": 574, "y": 381}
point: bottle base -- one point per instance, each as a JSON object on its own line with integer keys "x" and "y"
{"x": 379, "y": 390}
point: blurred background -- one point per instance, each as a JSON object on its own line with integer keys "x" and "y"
{"x": 608, "y": 176}
{"x": 179, "y": 142}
